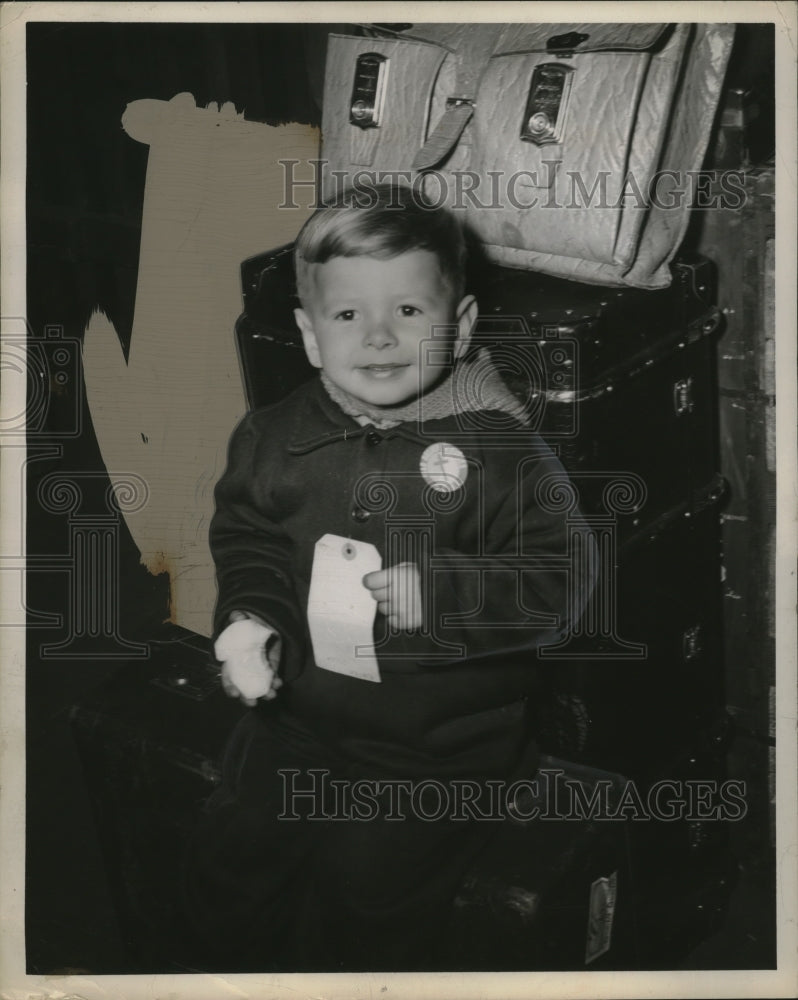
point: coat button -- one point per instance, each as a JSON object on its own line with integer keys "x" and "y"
{"x": 359, "y": 514}
{"x": 373, "y": 437}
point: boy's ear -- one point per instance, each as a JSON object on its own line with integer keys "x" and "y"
{"x": 466, "y": 316}
{"x": 308, "y": 337}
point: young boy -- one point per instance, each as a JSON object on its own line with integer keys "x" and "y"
{"x": 407, "y": 458}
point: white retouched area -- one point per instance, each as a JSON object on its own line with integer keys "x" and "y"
{"x": 212, "y": 198}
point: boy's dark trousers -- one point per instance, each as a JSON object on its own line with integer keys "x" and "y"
{"x": 321, "y": 892}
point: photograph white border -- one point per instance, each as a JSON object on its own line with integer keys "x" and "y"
{"x": 782, "y": 982}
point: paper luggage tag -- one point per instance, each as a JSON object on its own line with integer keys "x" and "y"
{"x": 341, "y": 610}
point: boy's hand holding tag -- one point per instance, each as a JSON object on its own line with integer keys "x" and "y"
{"x": 397, "y": 592}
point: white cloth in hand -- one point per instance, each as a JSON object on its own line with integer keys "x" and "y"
{"x": 242, "y": 646}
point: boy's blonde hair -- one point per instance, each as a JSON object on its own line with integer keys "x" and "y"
{"x": 382, "y": 222}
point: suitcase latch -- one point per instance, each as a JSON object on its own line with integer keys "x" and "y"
{"x": 547, "y": 104}
{"x": 368, "y": 90}
{"x": 683, "y": 396}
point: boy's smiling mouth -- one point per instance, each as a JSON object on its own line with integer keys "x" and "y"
{"x": 383, "y": 370}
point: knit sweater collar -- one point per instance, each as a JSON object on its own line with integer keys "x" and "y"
{"x": 473, "y": 384}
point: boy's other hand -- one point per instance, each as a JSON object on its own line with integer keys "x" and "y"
{"x": 238, "y": 678}
{"x": 397, "y": 591}
{"x": 250, "y": 655}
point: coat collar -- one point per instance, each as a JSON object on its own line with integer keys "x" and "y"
{"x": 320, "y": 421}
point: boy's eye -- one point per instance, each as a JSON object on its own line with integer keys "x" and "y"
{"x": 409, "y": 311}
{"x": 346, "y": 314}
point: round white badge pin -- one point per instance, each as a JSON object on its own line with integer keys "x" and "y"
{"x": 444, "y": 467}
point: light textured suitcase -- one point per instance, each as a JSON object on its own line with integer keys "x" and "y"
{"x": 566, "y": 146}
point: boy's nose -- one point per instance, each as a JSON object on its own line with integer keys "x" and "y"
{"x": 380, "y": 335}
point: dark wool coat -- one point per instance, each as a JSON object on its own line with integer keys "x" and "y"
{"x": 494, "y": 559}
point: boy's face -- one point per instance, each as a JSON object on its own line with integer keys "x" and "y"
{"x": 367, "y": 319}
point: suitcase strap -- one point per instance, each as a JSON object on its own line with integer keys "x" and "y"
{"x": 472, "y": 58}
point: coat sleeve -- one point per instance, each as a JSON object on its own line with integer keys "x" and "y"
{"x": 529, "y": 583}
{"x": 251, "y": 552}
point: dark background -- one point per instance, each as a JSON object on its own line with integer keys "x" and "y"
{"x": 84, "y": 205}
{"x": 84, "y": 201}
